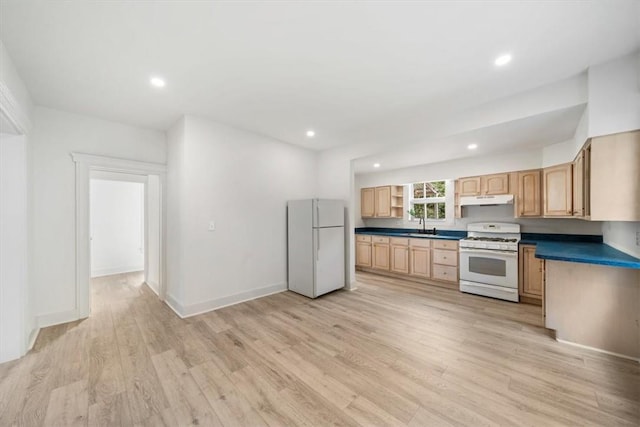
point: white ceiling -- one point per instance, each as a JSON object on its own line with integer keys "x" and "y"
{"x": 522, "y": 134}
{"x": 280, "y": 68}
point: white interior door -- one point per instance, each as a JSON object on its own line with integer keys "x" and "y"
{"x": 329, "y": 246}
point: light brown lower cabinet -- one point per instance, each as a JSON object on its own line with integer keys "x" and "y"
{"x": 380, "y": 259}
{"x": 420, "y": 258}
{"x": 428, "y": 259}
{"x": 400, "y": 255}
{"x": 363, "y": 251}
{"x": 531, "y": 274}
{"x": 445, "y": 261}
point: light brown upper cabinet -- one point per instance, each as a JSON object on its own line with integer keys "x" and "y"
{"x": 578, "y": 185}
{"x": 529, "y": 192}
{"x": 612, "y": 177}
{"x": 558, "y": 190}
{"x": 484, "y": 185}
{"x": 495, "y": 184}
{"x": 470, "y": 186}
{"x": 382, "y": 202}
{"x": 368, "y": 202}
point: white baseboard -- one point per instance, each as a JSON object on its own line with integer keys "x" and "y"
{"x": 116, "y": 270}
{"x": 203, "y": 307}
{"x": 174, "y": 305}
{"x": 51, "y": 319}
{"x": 153, "y": 286}
{"x": 599, "y": 350}
{"x": 33, "y": 336}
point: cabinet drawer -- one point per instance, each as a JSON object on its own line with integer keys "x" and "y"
{"x": 421, "y": 243}
{"x": 445, "y": 244}
{"x": 362, "y": 238}
{"x": 399, "y": 242}
{"x": 379, "y": 239}
{"x": 444, "y": 272}
{"x": 445, "y": 257}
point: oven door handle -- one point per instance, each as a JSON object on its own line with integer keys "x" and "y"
{"x": 507, "y": 254}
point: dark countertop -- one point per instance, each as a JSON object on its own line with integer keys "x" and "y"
{"x": 587, "y": 249}
{"x": 412, "y": 233}
{"x": 587, "y": 253}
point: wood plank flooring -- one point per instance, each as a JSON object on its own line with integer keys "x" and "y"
{"x": 389, "y": 353}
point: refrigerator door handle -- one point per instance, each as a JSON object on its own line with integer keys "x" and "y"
{"x": 318, "y": 214}
{"x": 318, "y": 251}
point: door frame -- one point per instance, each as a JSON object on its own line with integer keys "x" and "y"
{"x": 84, "y": 165}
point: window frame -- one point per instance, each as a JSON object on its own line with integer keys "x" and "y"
{"x": 447, "y": 200}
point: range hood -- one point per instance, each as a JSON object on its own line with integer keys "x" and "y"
{"x": 502, "y": 199}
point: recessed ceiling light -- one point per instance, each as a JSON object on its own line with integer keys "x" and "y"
{"x": 311, "y": 133}
{"x": 157, "y": 82}
{"x": 472, "y": 146}
{"x": 376, "y": 165}
{"x": 503, "y": 60}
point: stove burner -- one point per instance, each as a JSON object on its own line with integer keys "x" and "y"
{"x": 492, "y": 239}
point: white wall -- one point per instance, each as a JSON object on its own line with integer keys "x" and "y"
{"x": 614, "y": 96}
{"x": 55, "y": 135}
{"x": 13, "y": 246}
{"x": 562, "y": 152}
{"x": 117, "y": 227}
{"x": 17, "y": 104}
{"x": 11, "y": 83}
{"x": 242, "y": 181}
{"x": 622, "y": 236}
{"x": 469, "y": 167}
{"x": 154, "y": 224}
{"x": 175, "y": 195}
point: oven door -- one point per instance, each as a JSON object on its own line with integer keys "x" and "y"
{"x": 491, "y": 267}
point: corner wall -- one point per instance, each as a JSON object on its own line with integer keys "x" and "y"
{"x": 241, "y": 181}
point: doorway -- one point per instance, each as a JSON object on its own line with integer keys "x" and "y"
{"x": 127, "y": 195}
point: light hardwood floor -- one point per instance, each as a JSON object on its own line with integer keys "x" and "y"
{"x": 390, "y": 353}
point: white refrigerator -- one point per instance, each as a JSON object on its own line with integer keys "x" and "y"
{"x": 315, "y": 235}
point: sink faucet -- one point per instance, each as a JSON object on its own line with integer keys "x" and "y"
{"x": 424, "y": 230}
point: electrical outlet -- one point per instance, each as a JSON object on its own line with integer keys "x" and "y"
{"x": 637, "y": 238}
{"x": 212, "y": 225}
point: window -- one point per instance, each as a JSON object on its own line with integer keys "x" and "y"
{"x": 427, "y": 200}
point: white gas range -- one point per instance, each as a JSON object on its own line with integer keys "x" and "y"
{"x": 489, "y": 260}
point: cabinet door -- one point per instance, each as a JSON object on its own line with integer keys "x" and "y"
{"x": 445, "y": 257}
{"x": 531, "y": 272}
{"x": 495, "y": 184}
{"x": 363, "y": 254}
{"x": 400, "y": 259}
{"x": 368, "y": 202}
{"x": 614, "y": 174}
{"x": 529, "y": 193}
{"x": 578, "y": 185}
{"x": 380, "y": 257}
{"x": 558, "y": 192}
{"x": 383, "y": 201}
{"x": 470, "y": 186}
{"x": 420, "y": 262}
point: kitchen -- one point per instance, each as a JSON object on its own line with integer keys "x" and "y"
{"x": 510, "y": 234}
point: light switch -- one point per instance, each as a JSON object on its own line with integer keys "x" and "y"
{"x": 212, "y": 225}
